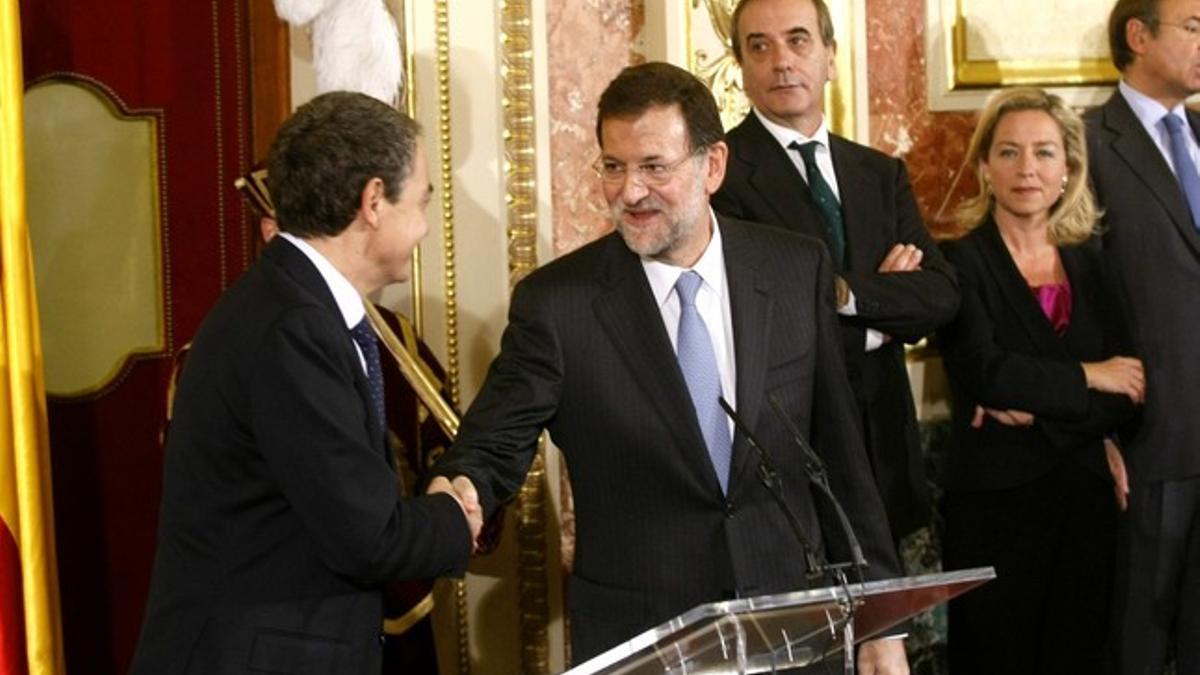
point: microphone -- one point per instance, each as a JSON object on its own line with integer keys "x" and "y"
{"x": 819, "y": 477}
{"x": 769, "y": 476}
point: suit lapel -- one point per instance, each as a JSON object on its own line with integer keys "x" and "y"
{"x": 1015, "y": 290}
{"x": 857, "y": 214}
{"x": 750, "y": 306}
{"x": 627, "y": 313}
{"x": 1142, "y": 156}
{"x": 776, "y": 180}
{"x": 305, "y": 274}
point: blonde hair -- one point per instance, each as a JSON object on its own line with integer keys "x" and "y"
{"x": 1073, "y": 217}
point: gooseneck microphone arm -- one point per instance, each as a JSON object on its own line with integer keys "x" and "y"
{"x": 769, "y": 476}
{"x": 820, "y": 477}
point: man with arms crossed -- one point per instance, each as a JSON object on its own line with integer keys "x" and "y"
{"x": 281, "y": 514}
{"x": 622, "y": 349}
{"x": 1143, "y": 162}
{"x": 894, "y": 285}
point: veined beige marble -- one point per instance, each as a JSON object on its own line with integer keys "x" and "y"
{"x": 589, "y": 42}
{"x": 932, "y": 144}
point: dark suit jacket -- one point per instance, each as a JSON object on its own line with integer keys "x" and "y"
{"x": 1155, "y": 249}
{"x": 586, "y": 355}
{"x": 762, "y": 185}
{"x": 281, "y": 515}
{"x": 1001, "y": 352}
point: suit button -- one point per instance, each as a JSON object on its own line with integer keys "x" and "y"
{"x": 382, "y": 639}
{"x": 729, "y": 510}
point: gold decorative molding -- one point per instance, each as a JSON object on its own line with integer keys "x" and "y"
{"x": 970, "y": 52}
{"x": 450, "y": 278}
{"x": 407, "y": 27}
{"x": 516, "y": 56}
{"x": 968, "y": 72}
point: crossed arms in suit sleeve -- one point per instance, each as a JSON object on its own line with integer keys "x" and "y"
{"x": 309, "y": 422}
{"x": 996, "y": 376}
{"x": 904, "y": 305}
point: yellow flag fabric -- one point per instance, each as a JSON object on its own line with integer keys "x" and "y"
{"x": 30, "y": 624}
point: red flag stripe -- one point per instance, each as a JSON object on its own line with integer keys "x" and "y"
{"x": 12, "y": 612}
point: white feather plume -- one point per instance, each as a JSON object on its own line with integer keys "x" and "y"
{"x": 356, "y": 46}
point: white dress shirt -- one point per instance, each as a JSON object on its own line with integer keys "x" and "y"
{"x": 349, "y": 302}
{"x": 1150, "y": 113}
{"x": 712, "y": 302}
{"x": 785, "y": 136}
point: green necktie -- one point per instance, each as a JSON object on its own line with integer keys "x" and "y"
{"x": 827, "y": 202}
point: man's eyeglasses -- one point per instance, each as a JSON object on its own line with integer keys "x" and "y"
{"x": 657, "y": 174}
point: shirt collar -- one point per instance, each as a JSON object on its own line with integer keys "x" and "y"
{"x": 349, "y": 302}
{"x": 786, "y": 135}
{"x": 1148, "y": 111}
{"x": 711, "y": 268}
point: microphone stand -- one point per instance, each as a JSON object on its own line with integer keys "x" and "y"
{"x": 818, "y": 476}
{"x": 769, "y": 476}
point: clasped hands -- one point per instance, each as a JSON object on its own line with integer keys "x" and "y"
{"x": 463, "y": 492}
{"x": 1117, "y": 375}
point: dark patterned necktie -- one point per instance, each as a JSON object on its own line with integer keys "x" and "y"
{"x": 1185, "y": 168}
{"x": 827, "y": 203}
{"x": 369, "y": 344}
{"x": 699, "y": 366}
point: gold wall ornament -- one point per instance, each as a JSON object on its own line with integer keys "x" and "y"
{"x": 721, "y": 72}
{"x": 516, "y": 68}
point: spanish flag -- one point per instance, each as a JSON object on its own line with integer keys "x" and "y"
{"x": 30, "y": 626}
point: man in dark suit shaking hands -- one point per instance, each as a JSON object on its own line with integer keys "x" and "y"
{"x": 622, "y": 350}
{"x": 894, "y": 286}
{"x": 281, "y": 515}
{"x": 1143, "y": 159}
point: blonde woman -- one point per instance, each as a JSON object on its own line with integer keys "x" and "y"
{"x": 1040, "y": 372}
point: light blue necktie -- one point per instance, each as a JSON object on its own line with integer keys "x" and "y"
{"x": 1185, "y": 168}
{"x": 699, "y": 366}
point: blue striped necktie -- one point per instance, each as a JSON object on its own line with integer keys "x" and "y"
{"x": 1185, "y": 168}
{"x": 699, "y": 366}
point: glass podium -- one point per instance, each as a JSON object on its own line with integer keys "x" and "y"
{"x": 771, "y": 633}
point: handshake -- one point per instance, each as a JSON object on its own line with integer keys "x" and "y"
{"x": 463, "y": 491}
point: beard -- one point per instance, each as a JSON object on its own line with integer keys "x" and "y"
{"x": 672, "y": 229}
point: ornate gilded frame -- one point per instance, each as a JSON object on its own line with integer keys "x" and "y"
{"x": 959, "y": 81}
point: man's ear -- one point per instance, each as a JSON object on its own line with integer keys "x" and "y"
{"x": 1137, "y": 33}
{"x": 714, "y": 167}
{"x": 371, "y": 200}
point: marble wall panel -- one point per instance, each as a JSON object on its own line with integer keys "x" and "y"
{"x": 589, "y": 42}
{"x": 932, "y": 144}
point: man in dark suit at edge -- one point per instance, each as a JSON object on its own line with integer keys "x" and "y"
{"x": 281, "y": 514}
{"x": 894, "y": 285}
{"x": 621, "y": 350}
{"x": 1143, "y": 160}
